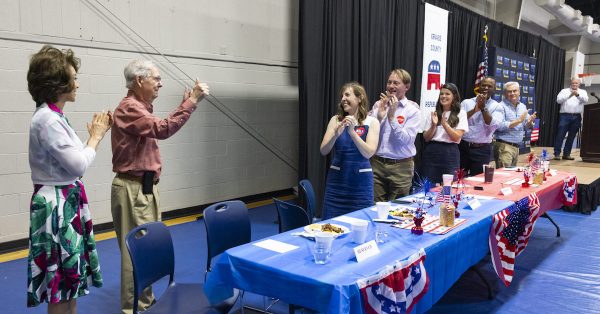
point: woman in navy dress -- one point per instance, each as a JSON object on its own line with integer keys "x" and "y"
{"x": 355, "y": 136}
{"x": 442, "y": 131}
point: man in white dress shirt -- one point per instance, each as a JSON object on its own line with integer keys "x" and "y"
{"x": 393, "y": 164}
{"x": 484, "y": 115}
{"x": 571, "y": 102}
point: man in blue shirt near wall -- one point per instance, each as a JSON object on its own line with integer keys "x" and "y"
{"x": 511, "y": 130}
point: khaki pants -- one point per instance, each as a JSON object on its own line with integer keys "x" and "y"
{"x": 131, "y": 208}
{"x": 505, "y": 155}
{"x": 391, "y": 181}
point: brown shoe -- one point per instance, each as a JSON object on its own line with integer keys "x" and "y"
{"x": 568, "y": 157}
{"x": 556, "y": 157}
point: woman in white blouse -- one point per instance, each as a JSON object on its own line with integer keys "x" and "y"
{"x": 442, "y": 132}
{"x": 62, "y": 250}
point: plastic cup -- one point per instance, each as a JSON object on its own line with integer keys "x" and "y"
{"x": 447, "y": 179}
{"x": 359, "y": 231}
{"x": 488, "y": 173}
{"x": 383, "y": 209}
{"x": 322, "y": 249}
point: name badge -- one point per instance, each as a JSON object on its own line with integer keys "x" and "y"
{"x": 474, "y": 203}
{"x": 506, "y": 191}
{"x": 366, "y": 250}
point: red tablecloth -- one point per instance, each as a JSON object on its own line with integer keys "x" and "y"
{"x": 550, "y": 193}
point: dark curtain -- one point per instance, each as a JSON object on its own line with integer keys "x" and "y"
{"x": 361, "y": 40}
{"x": 349, "y": 40}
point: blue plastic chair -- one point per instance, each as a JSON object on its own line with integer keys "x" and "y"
{"x": 290, "y": 216}
{"x": 227, "y": 225}
{"x": 311, "y": 200}
{"x": 151, "y": 250}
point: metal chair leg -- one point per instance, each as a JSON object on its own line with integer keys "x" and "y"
{"x": 545, "y": 215}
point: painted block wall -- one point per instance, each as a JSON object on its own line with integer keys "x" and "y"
{"x": 245, "y": 50}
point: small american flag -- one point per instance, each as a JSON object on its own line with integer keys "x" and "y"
{"x": 510, "y": 233}
{"x": 535, "y": 133}
{"x": 444, "y": 195}
{"x": 535, "y": 165}
{"x": 482, "y": 69}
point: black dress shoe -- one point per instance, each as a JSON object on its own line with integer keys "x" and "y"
{"x": 556, "y": 157}
{"x": 568, "y": 158}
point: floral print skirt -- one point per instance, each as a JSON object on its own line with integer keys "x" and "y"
{"x": 62, "y": 250}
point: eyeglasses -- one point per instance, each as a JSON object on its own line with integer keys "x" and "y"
{"x": 157, "y": 79}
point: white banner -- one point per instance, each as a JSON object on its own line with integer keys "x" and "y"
{"x": 435, "y": 45}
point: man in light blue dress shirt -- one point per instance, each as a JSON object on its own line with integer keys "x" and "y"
{"x": 511, "y": 130}
{"x": 484, "y": 115}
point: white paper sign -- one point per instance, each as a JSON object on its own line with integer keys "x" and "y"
{"x": 474, "y": 203}
{"x": 478, "y": 179}
{"x": 506, "y": 191}
{"x": 276, "y": 246}
{"x": 366, "y": 250}
{"x": 347, "y": 219}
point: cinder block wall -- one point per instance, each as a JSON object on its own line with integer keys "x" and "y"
{"x": 245, "y": 50}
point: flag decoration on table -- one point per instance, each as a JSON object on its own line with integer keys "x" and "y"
{"x": 535, "y": 133}
{"x": 444, "y": 195}
{"x": 534, "y": 163}
{"x": 397, "y": 288}
{"x": 422, "y": 186}
{"x": 510, "y": 233}
{"x": 570, "y": 191}
{"x": 482, "y": 69}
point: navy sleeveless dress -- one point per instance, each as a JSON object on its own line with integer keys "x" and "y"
{"x": 349, "y": 185}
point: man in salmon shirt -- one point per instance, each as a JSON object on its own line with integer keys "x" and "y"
{"x": 136, "y": 160}
{"x": 393, "y": 163}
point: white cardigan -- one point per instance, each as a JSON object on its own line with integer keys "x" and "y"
{"x": 56, "y": 154}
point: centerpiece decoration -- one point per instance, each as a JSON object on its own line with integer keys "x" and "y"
{"x": 459, "y": 174}
{"x": 447, "y": 208}
{"x": 424, "y": 202}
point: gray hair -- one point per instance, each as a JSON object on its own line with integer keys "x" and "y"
{"x": 576, "y": 78}
{"x": 508, "y": 84}
{"x": 137, "y": 68}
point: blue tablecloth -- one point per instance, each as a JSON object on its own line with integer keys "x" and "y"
{"x": 331, "y": 288}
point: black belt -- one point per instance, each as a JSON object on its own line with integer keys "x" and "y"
{"x": 131, "y": 177}
{"x": 476, "y": 145}
{"x": 571, "y": 114}
{"x": 509, "y": 143}
{"x": 390, "y": 160}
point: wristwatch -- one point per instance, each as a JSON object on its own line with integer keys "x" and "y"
{"x": 484, "y": 109}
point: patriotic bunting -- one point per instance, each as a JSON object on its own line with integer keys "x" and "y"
{"x": 397, "y": 288}
{"x": 510, "y": 233}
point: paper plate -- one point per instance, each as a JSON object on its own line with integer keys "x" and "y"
{"x": 395, "y": 213}
{"x": 313, "y": 228}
